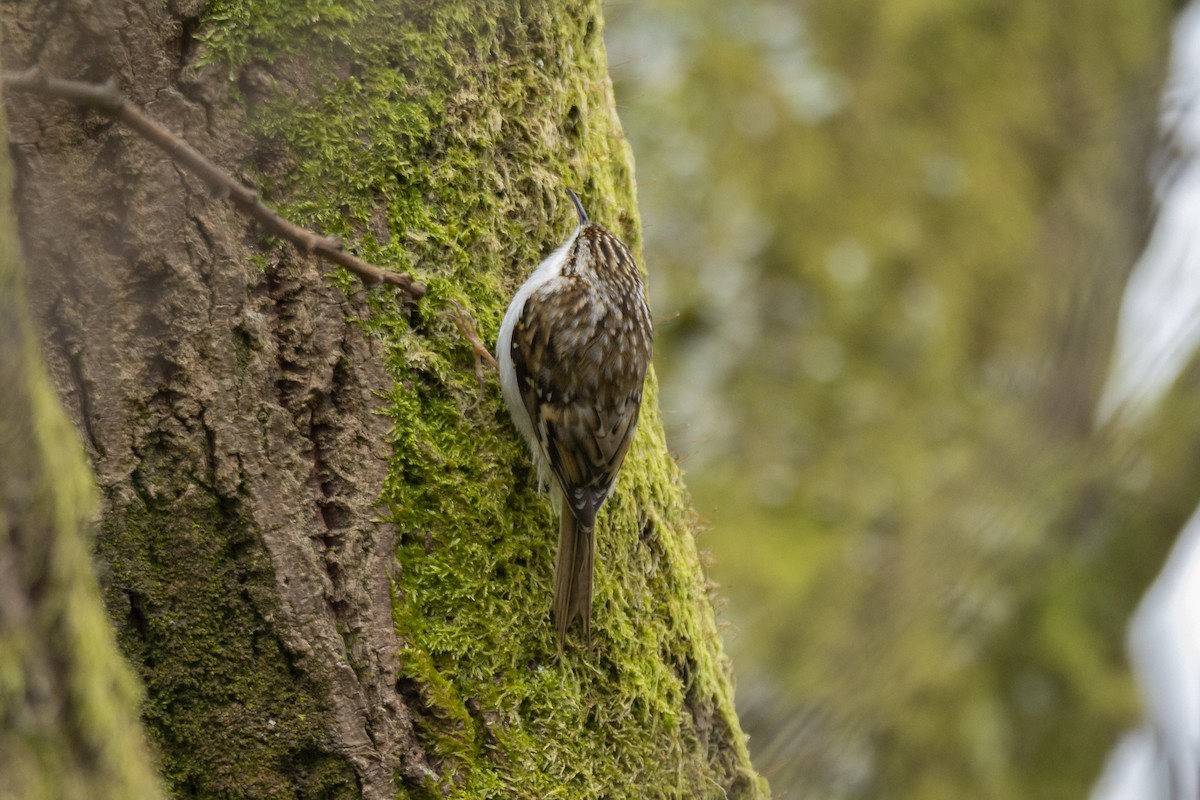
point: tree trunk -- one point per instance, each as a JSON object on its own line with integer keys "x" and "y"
{"x": 320, "y": 540}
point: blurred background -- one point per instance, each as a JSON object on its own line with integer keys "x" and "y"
{"x": 927, "y": 286}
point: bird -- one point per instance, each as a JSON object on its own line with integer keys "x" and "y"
{"x": 573, "y": 351}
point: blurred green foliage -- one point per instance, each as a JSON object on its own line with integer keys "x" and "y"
{"x": 69, "y": 727}
{"x": 887, "y": 243}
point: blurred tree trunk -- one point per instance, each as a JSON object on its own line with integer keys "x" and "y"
{"x": 68, "y": 704}
{"x": 320, "y": 542}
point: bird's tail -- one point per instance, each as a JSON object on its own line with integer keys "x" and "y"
{"x": 573, "y": 573}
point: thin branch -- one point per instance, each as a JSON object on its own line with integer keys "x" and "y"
{"x": 105, "y": 97}
{"x": 466, "y": 326}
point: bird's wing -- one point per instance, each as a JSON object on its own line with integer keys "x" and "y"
{"x": 586, "y": 449}
{"x": 584, "y": 428}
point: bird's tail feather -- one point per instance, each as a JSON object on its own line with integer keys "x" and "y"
{"x": 573, "y": 574}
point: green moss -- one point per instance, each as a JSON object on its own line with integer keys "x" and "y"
{"x": 632, "y": 710}
{"x": 440, "y": 139}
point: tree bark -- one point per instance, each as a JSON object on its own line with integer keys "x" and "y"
{"x": 320, "y": 541}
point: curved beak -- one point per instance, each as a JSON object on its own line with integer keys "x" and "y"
{"x": 583, "y": 217}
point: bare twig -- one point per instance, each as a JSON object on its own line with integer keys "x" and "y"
{"x": 466, "y": 326}
{"x": 105, "y": 97}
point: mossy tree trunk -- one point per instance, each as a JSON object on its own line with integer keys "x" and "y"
{"x": 320, "y": 541}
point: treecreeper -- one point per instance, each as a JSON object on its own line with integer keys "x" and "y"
{"x": 573, "y": 352}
